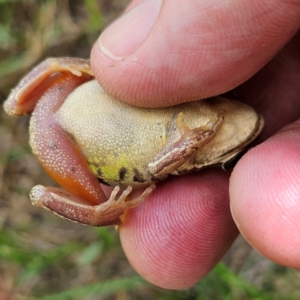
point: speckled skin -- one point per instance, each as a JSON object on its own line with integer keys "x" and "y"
{"x": 81, "y": 135}
{"x": 119, "y": 141}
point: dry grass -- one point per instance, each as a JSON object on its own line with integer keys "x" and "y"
{"x": 42, "y": 255}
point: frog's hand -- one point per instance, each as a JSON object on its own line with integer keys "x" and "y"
{"x": 74, "y": 208}
{"x": 173, "y": 155}
{"x": 29, "y": 90}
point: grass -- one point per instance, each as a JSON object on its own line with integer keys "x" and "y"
{"x": 44, "y": 257}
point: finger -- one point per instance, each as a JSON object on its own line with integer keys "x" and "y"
{"x": 274, "y": 91}
{"x": 162, "y": 52}
{"x": 181, "y": 231}
{"x": 265, "y": 196}
{"x": 261, "y": 181}
{"x": 132, "y": 4}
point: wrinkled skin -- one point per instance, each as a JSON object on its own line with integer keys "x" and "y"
{"x": 265, "y": 181}
{"x": 169, "y": 251}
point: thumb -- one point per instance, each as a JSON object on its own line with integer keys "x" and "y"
{"x": 161, "y": 53}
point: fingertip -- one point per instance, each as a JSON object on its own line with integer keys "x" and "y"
{"x": 181, "y": 231}
{"x": 264, "y": 194}
{"x": 125, "y": 35}
{"x": 189, "y": 53}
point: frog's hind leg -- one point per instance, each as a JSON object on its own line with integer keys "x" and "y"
{"x": 77, "y": 209}
{"x": 173, "y": 155}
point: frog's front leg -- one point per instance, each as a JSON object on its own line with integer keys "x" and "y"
{"x": 176, "y": 153}
{"x": 77, "y": 209}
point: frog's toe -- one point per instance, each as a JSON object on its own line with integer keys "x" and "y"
{"x": 123, "y": 198}
{"x": 77, "y": 209}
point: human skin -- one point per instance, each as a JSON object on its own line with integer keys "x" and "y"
{"x": 162, "y": 53}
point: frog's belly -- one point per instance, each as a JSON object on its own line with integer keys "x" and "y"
{"x": 122, "y": 158}
{"x": 117, "y": 139}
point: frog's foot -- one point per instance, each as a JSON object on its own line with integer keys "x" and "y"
{"x": 173, "y": 155}
{"x": 24, "y": 97}
{"x": 74, "y": 208}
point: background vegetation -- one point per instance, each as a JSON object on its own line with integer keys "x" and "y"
{"x": 45, "y": 257}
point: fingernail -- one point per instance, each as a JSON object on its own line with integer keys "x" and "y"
{"x": 127, "y": 33}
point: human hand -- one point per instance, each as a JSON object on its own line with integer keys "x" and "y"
{"x": 165, "y": 52}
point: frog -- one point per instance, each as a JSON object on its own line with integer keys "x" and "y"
{"x": 84, "y": 137}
